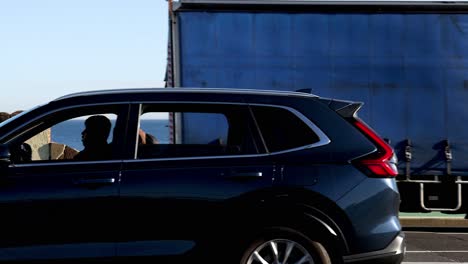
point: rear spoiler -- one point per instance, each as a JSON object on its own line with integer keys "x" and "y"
{"x": 345, "y": 109}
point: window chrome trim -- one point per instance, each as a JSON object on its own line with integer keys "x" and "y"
{"x": 71, "y": 162}
{"x": 323, "y": 138}
{"x": 137, "y": 136}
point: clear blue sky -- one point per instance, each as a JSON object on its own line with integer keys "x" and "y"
{"x": 49, "y": 48}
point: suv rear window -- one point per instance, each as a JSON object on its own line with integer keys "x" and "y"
{"x": 281, "y": 129}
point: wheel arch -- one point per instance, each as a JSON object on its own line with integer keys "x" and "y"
{"x": 302, "y": 210}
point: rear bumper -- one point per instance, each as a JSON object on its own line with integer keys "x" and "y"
{"x": 393, "y": 253}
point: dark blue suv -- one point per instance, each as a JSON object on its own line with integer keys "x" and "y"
{"x": 225, "y": 176}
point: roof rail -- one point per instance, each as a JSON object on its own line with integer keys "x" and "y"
{"x": 185, "y": 90}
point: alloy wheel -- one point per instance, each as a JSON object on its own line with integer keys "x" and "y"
{"x": 280, "y": 251}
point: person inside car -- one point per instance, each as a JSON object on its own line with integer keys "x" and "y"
{"x": 146, "y": 138}
{"x": 94, "y": 138}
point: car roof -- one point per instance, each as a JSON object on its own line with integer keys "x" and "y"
{"x": 133, "y": 91}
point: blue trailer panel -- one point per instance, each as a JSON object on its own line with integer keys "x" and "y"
{"x": 409, "y": 69}
{"x": 406, "y": 60}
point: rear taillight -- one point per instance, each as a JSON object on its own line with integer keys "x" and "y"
{"x": 381, "y": 163}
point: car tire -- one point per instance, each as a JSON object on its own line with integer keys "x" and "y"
{"x": 284, "y": 245}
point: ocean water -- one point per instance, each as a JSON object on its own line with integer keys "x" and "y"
{"x": 69, "y": 132}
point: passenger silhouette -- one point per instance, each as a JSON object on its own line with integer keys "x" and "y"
{"x": 145, "y": 138}
{"x": 94, "y": 138}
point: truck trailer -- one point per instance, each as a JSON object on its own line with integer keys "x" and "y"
{"x": 407, "y": 61}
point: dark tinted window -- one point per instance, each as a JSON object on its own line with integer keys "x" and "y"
{"x": 282, "y": 130}
{"x": 62, "y": 136}
{"x": 205, "y": 130}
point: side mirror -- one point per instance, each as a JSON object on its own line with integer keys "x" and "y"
{"x": 5, "y": 156}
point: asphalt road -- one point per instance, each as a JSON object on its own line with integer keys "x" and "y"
{"x": 436, "y": 246}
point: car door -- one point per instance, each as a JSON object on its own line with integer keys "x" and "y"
{"x": 175, "y": 196}
{"x": 56, "y": 208}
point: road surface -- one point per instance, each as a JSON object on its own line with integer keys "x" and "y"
{"x": 436, "y": 246}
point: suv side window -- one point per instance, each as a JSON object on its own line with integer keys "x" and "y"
{"x": 61, "y": 136}
{"x": 223, "y": 130}
{"x": 281, "y": 129}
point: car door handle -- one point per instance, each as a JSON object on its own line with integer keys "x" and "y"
{"x": 245, "y": 175}
{"x": 98, "y": 181}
